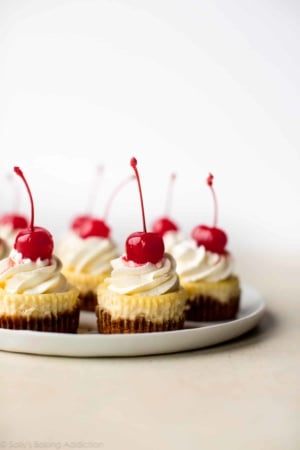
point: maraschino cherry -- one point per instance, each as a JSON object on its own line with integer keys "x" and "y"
{"x": 79, "y": 220}
{"x": 164, "y": 224}
{"x": 94, "y": 227}
{"x": 15, "y": 221}
{"x": 143, "y": 246}
{"x": 212, "y": 238}
{"x": 33, "y": 242}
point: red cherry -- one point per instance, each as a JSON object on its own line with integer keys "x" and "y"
{"x": 212, "y": 238}
{"x": 78, "y": 221}
{"x": 16, "y": 221}
{"x": 143, "y": 247}
{"x": 163, "y": 225}
{"x": 93, "y": 228}
{"x": 33, "y": 242}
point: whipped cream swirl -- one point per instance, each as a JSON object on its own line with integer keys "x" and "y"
{"x": 91, "y": 255}
{"x": 8, "y": 233}
{"x": 23, "y": 276}
{"x": 196, "y": 263}
{"x": 172, "y": 238}
{"x": 127, "y": 277}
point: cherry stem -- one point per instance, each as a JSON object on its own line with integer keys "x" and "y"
{"x": 16, "y": 193}
{"x": 209, "y": 182}
{"x": 170, "y": 194}
{"x": 113, "y": 195}
{"x": 133, "y": 163}
{"x": 94, "y": 189}
{"x": 19, "y": 172}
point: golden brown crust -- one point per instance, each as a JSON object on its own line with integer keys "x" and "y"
{"x": 139, "y": 325}
{"x": 66, "y": 322}
{"x": 88, "y": 301}
{"x": 206, "y": 308}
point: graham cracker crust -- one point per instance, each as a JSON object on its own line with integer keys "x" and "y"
{"x": 66, "y": 322}
{"x": 88, "y": 301}
{"x": 106, "y": 325}
{"x": 205, "y": 308}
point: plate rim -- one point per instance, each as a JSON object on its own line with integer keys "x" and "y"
{"x": 67, "y": 339}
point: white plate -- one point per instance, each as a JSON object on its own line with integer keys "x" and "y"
{"x": 88, "y": 343}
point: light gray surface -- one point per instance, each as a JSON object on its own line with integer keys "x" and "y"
{"x": 243, "y": 394}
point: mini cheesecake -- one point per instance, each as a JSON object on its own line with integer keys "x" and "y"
{"x": 143, "y": 293}
{"x": 86, "y": 263}
{"x": 212, "y": 300}
{"x": 213, "y": 289}
{"x": 55, "y": 312}
{"x": 34, "y": 295}
{"x": 141, "y": 298}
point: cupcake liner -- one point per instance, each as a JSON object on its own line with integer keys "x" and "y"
{"x": 108, "y": 325}
{"x": 155, "y": 308}
{"x": 65, "y": 322}
{"x": 88, "y": 301}
{"x": 38, "y": 305}
{"x": 57, "y": 311}
{"x": 209, "y": 301}
{"x": 84, "y": 281}
{"x": 205, "y": 308}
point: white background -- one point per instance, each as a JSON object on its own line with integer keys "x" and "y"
{"x": 185, "y": 86}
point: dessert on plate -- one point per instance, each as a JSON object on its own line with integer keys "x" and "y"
{"x": 86, "y": 252}
{"x": 206, "y": 271}
{"x": 34, "y": 295}
{"x": 143, "y": 293}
